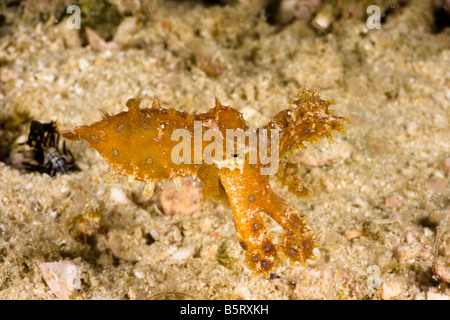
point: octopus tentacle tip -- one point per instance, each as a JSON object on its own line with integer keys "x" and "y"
{"x": 147, "y": 146}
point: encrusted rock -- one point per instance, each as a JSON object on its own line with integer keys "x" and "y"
{"x": 62, "y": 277}
{"x": 390, "y": 290}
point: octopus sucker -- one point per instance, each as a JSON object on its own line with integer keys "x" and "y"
{"x": 154, "y": 144}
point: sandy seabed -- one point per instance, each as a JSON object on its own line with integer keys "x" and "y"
{"x": 380, "y": 193}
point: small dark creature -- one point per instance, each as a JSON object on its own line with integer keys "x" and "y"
{"x": 44, "y": 154}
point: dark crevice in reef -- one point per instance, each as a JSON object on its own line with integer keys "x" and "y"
{"x": 271, "y": 12}
{"x": 441, "y": 15}
{"x": 426, "y": 222}
{"x": 389, "y": 11}
{"x": 149, "y": 239}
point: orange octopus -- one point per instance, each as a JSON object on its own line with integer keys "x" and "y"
{"x": 141, "y": 144}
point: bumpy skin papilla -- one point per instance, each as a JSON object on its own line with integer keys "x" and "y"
{"x": 138, "y": 143}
